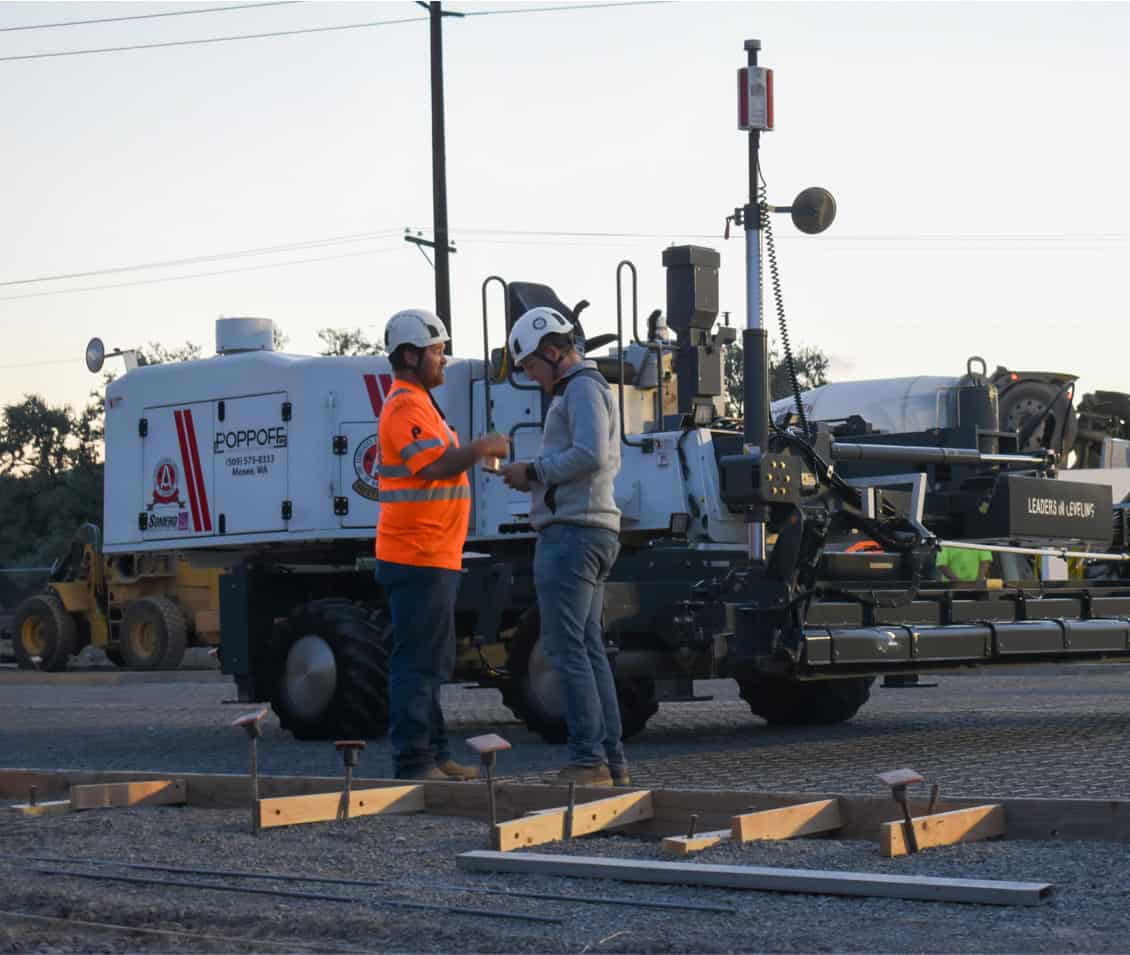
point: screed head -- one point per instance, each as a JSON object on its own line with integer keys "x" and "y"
{"x": 490, "y": 743}
{"x": 899, "y": 777}
{"x": 250, "y": 722}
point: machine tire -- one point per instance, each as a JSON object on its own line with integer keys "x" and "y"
{"x": 1023, "y": 402}
{"x": 153, "y": 634}
{"x": 345, "y": 648}
{"x": 783, "y": 702}
{"x": 42, "y": 628}
{"x": 533, "y": 696}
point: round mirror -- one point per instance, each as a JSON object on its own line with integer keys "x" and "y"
{"x": 95, "y": 355}
{"x": 814, "y": 210}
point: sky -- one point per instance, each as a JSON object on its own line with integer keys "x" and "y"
{"x": 976, "y": 153}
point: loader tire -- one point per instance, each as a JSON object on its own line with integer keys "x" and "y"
{"x": 153, "y": 634}
{"x": 534, "y": 693}
{"x": 783, "y": 702}
{"x": 333, "y": 677}
{"x": 43, "y": 633}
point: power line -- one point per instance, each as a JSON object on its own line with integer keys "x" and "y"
{"x": 199, "y": 275}
{"x": 549, "y": 233}
{"x": 215, "y": 39}
{"x": 192, "y": 260}
{"x": 345, "y": 26}
{"x": 571, "y": 6}
{"x": 149, "y": 16}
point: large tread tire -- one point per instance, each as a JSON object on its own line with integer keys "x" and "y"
{"x": 533, "y": 692}
{"x": 348, "y": 697}
{"x": 783, "y": 702}
{"x": 43, "y": 633}
{"x": 154, "y": 633}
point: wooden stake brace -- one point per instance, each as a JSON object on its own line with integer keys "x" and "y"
{"x": 943, "y": 829}
{"x": 548, "y": 825}
{"x": 324, "y": 807}
{"x": 157, "y": 792}
{"x": 788, "y": 822}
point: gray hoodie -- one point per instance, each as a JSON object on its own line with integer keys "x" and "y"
{"x": 579, "y": 455}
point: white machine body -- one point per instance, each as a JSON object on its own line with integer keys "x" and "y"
{"x": 255, "y": 447}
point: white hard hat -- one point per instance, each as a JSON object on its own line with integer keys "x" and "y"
{"x": 531, "y": 328}
{"x": 414, "y": 326}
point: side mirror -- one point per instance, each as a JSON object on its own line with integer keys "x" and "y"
{"x": 95, "y": 355}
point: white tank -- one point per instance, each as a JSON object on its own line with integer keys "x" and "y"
{"x": 235, "y": 335}
{"x": 889, "y": 404}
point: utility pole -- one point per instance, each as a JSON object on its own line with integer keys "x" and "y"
{"x": 439, "y": 172}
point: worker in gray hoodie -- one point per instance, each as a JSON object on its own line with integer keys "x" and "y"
{"x": 574, "y": 512}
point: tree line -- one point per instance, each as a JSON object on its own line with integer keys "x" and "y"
{"x": 51, "y": 455}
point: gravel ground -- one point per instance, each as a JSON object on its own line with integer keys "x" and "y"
{"x": 416, "y": 856}
{"x": 1048, "y": 731}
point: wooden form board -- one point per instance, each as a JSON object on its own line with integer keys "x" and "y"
{"x": 154, "y": 792}
{"x": 324, "y": 807}
{"x": 943, "y": 829}
{"x": 788, "y": 822}
{"x": 1106, "y": 820}
{"x": 548, "y": 825}
{"x": 50, "y": 808}
{"x": 685, "y": 845}
{"x": 760, "y": 878}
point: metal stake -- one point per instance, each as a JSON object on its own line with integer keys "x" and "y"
{"x": 487, "y": 746}
{"x": 350, "y": 750}
{"x": 250, "y": 723}
{"x": 570, "y": 809}
{"x": 898, "y": 780}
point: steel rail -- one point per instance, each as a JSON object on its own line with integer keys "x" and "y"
{"x": 386, "y": 883}
{"x": 313, "y": 896}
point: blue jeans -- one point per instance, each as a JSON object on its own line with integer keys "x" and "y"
{"x": 571, "y": 564}
{"x": 422, "y": 604}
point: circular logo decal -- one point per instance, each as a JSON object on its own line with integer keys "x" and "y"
{"x": 539, "y": 323}
{"x": 165, "y": 482}
{"x": 366, "y": 460}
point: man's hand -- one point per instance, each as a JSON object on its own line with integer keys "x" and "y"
{"x": 514, "y": 475}
{"x": 491, "y": 445}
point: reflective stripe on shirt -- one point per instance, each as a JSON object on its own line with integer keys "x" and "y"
{"x": 426, "y": 494}
{"x": 393, "y": 471}
{"x": 411, "y": 450}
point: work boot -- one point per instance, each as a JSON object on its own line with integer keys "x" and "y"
{"x": 585, "y": 775}
{"x": 620, "y": 776}
{"x": 454, "y": 770}
{"x": 432, "y": 772}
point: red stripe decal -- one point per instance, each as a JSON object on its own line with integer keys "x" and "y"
{"x": 743, "y": 98}
{"x": 376, "y": 399}
{"x": 186, "y": 467}
{"x": 378, "y": 388}
{"x": 191, "y": 429}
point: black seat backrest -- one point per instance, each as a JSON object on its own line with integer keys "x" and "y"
{"x": 527, "y": 295}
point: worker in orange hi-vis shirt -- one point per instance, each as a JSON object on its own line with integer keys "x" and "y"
{"x": 425, "y": 500}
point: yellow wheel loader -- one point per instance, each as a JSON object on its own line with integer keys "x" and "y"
{"x": 142, "y": 610}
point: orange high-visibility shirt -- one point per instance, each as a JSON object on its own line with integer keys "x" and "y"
{"x": 422, "y": 523}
